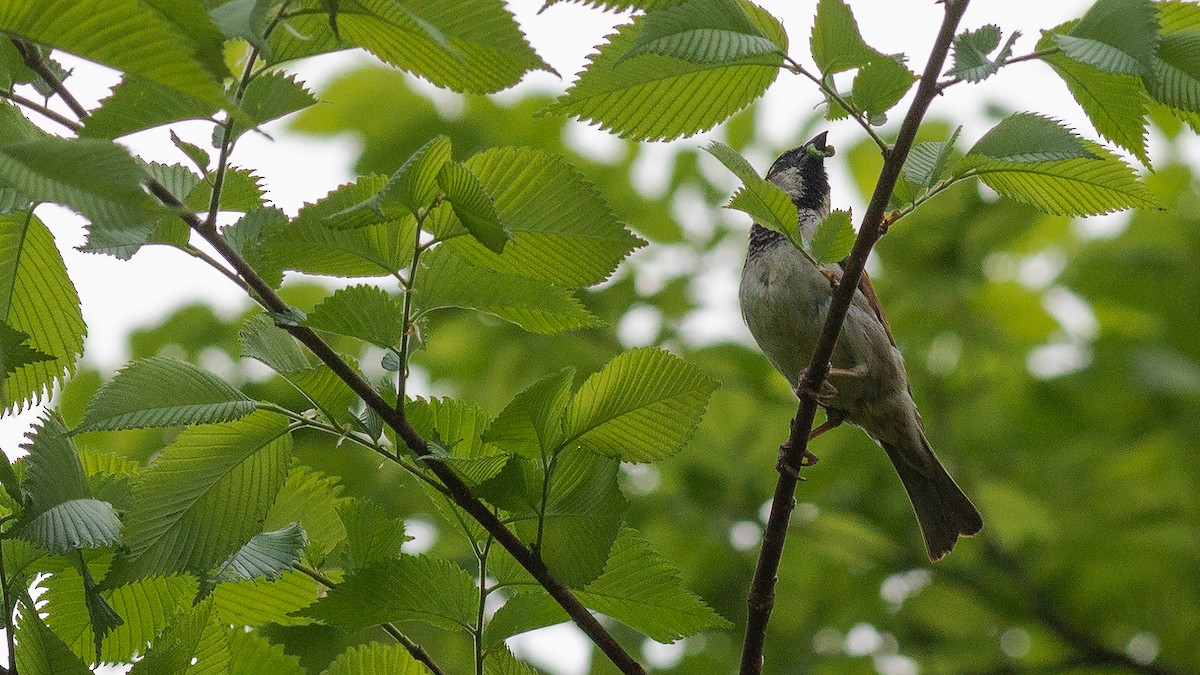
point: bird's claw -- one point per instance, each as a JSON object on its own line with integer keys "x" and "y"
{"x": 824, "y": 394}
{"x": 785, "y": 466}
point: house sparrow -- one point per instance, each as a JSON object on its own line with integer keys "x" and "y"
{"x": 785, "y": 298}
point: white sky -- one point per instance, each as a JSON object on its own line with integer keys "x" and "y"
{"x": 121, "y": 296}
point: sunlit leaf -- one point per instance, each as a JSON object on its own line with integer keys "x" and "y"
{"x": 701, "y": 31}
{"x": 375, "y": 659}
{"x": 531, "y": 424}
{"x": 833, "y": 238}
{"x": 473, "y": 206}
{"x": 1116, "y": 36}
{"x": 972, "y": 49}
{"x": 836, "y": 43}
{"x": 1028, "y": 137}
{"x": 880, "y": 85}
{"x": 368, "y": 313}
{"x": 409, "y": 588}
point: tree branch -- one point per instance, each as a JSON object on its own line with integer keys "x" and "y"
{"x": 1016, "y": 59}
{"x": 761, "y": 599}
{"x": 33, "y": 59}
{"x": 42, "y": 110}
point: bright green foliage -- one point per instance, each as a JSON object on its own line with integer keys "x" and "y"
{"x": 247, "y": 235}
{"x": 364, "y": 312}
{"x": 261, "y": 339}
{"x": 162, "y": 392}
{"x": 880, "y": 84}
{"x": 447, "y": 280}
{"x": 202, "y": 497}
{"x": 314, "y": 500}
{"x": 835, "y": 42}
{"x": 139, "y": 103}
{"x": 627, "y": 95}
{"x": 239, "y": 192}
{"x": 371, "y": 536}
{"x": 267, "y": 555}
{"x": 160, "y": 46}
{"x": 415, "y": 183}
{"x": 701, "y": 31}
{"x": 1026, "y": 137}
{"x": 250, "y": 654}
{"x": 1116, "y": 36}
{"x": 455, "y": 426}
{"x": 972, "y": 49}
{"x": 258, "y": 602}
{"x": 408, "y": 588}
{"x": 761, "y": 199}
{"x": 927, "y": 161}
{"x": 40, "y": 650}
{"x": 375, "y": 659}
{"x": 473, "y": 206}
{"x": 642, "y": 407}
{"x": 833, "y": 238}
{"x": 1177, "y": 73}
{"x": 15, "y": 352}
{"x": 273, "y": 95}
{"x": 500, "y": 661}
{"x": 574, "y": 248}
{"x": 531, "y": 424}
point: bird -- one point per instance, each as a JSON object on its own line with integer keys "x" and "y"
{"x": 785, "y": 297}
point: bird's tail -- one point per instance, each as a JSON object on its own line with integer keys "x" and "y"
{"x": 943, "y": 511}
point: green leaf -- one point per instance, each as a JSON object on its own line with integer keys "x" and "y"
{"x": 327, "y": 392}
{"x": 96, "y": 178}
{"x": 531, "y": 424}
{"x": 245, "y": 20}
{"x": 473, "y": 206}
{"x": 37, "y": 299}
{"x": 1116, "y": 36}
{"x": 261, "y": 339}
{"x": 971, "y": 50}
{"x": 267, "y": 555}
{"x": 1115, "y": 104}
{"x": 1069, "y": 187}
{"x": 1028, "y": 137}
{"x": 446, "y": 280}
{"x": 457, "y": 426}
{"x": 1177, "y": 15}
{"x": 573, "y": 247}
{"x": 313, "y": 500}
{"x": 183, "y": 643}
{"x": 880, "y": 85}
{"x": 204, "y": 496}
{"x": 371, "y": 536}
{"x": 257, "y": 602}
{"x": 655, "y": 97}
{"x": 272, "y": 95}
{"x": 251, "y": 654}
{"x": 247, "y": 235}
{"x": 375, "y": 659}
{"x": 368, "y": 313}
{"x": 59, "y": 512}
{"x": 178, "y": 49}
{"x": 701, "y": 31}
{"x": 466, "y": 45}
{"x": 39, "y": 650}
{"x": 1177, "y": 71}
{"x": 415, "y": 184}
{"x": 642, "y": 406}
{"x": 14, "y": 352}
{"x": 732, "y": 161}
{"x": 523, "y": 612}
{"x": 836, "y": 43}
{"x": 500, "y": 661}
{"x": 240, "y": 191}
{"x": 642, "y": 590}
{"x": 833, "y": 238}
{"x": 761, "y": 199}
{"x": 928, "y": 161}
{"x": 137, "y": 104}
{"x": 313, "y": 244}
{"x": 162, "y": 392}
{"x": 409, "y": 588}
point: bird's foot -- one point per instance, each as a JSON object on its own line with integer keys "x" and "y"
{"x": 833, "y": 419}
{"x": 856, "y": 371}
{"x": 785, "y": 466}
{"x": 823, "y": 394}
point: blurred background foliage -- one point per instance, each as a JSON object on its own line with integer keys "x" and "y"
{"x": 1056, "y": 364}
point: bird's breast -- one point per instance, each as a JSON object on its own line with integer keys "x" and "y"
{"x": 784, "y": 300}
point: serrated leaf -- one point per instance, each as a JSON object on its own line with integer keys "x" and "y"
{"x": 251, "y": 654}
{"x": 261, "y": 339}
{"x": 458, "y": 426}
{"x": 446, "y": 280}
{"x": 246, "y": 20}
{"x": 240, "y": 191}
{"x": 313, "y": 500}
{"x": 836, "y": 43}
{"x": 257, "y": 602}
{"x": 1177, "y": 72}
{"x": 655, "y": 97}
{"x": 175, "y": 49}
{"x": 928, "y": 161}
{"x": 368, "y": 313}
{"x": 531, "y": 424}
{"x": 701, "y": 31}
{"x": 880, "y": 84}
{"x": 1069, "y": 187}
{"x": 971, "y": 50}
{"x": 641, "y": 407}
{"x": 465, "y": 45}
{"x": 371, "y": 536}
{"x": 204, "y": 496}
{"x": 16, "y": 352}
{"x": 247, "y": 236}
{"x": 1116, "y": 36}
{"x": 183, "y": 644}
{"x": 833, "y": 238}
{"x": 137, "y": 104}
{"x": 761, "y": 199}
{"x": 1029, "y": 137}
{"x": 473, "y": 206}
{"x": 523, "y": 612}
{"x": 415, "y": 184}
{"x": 74, "y": 524}
{"x": 37, "y": 299}
{"x": 572, "y": 248}
{"x": 500, "y": 661}
{"x": 732, "y": 161}
{"x": 162, "y": 392}
{"x": 314, "y": 244}
{"x": 267, "y": 555}
{"x": 272, "y": 95}
{"x": 39, "y": 650}
{"x": 409, "y": 588}
{"x": 327, "y": 392}
{"x": 375, "y": 659}
{"x": 642, "y": 590}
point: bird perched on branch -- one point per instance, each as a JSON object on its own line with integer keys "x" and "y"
{"x": 785, "y": 298}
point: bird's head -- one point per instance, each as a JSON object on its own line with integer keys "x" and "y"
{"x": 800, "y": 173}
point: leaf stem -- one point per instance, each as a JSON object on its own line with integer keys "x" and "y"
{"x": 483, "y": 593}
{"x": 1036, "y": 54}
{"x": 211, "y": 262}
{"x": 227, "y": 142}
{"x": 42, "y": 110}
{"x": 842, "y": 103}
{"x": 9, "y": 622}
{"x": 413, "y": 648}
{"x": 402, "y": 375}
{"x": 761, "y": 599}
{"x": 33, "y": 59}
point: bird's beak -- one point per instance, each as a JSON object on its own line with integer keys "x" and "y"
{"x": 818, "y": 141}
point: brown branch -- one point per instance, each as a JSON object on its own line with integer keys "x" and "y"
{"x": 33, "y": 59}
{"x": 42, "y": 110}
{"x": 761, "y": 599}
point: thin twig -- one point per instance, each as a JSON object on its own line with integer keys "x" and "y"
{"x": 42, "y": 110}
{"x": 761, "y": 599}
{"x": 214, "y": 201}
{"x": 1016, "y": 59}
{"x": 418, "y": 652}
{"x": 33, "y": 59}
{"x": 842, "y": 103}
{"x": 9, "y": 621}
{"x": 211, "y": 262}
{"x": 402, "y": 376}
